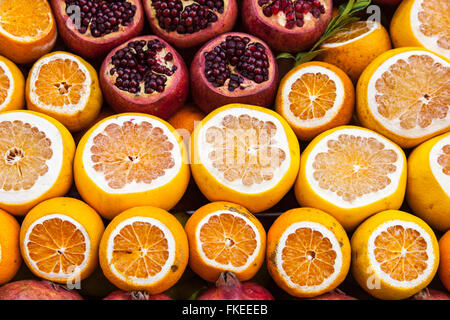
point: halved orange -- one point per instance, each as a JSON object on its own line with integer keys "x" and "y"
{"x": 10, "y": 258}
{"x": 59, "y": 240}
{"x": 36, "y": 158}
{"x": 244, "y": 154}
{"x": 308, "y": 252}
{"x": 355, "y": 46}
{"x": 65, "y": 87}
{"x": 130, "y": 160}
{"x": 351, "y": 173}
{"x": 12, "y": 86}
{"x": 27, "y": 29}
{"x": 144, "y": 248}
{"x": 404, "y": 95}
{"x": 224, "y": 236}
{"x": 394, "y": 255}
{"x": 422, "y": 23}
{"x": 314, "y": 97}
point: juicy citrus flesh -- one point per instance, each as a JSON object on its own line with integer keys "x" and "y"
{"x": 350, "y": 32}
{"x": 415, "y": 91}
{"x": 5, "y": 86}
{"x": 243, "y": 151}
{"x": 434, "y": 21}
{"x": 228, "y": 240}
{"x": 25, "y": 18}
{"x": 24, "y": 152}
{"x": 140, "y": 250}
{"x": 131, "y": 152}
{"x": 401, "y": 253}
{"x": 444, "y": 159}
{"x": 312, "y": 95}
{"x": 56, "y": 246}
{"x": 60, "y": 83}
{"x": 354, "y": 166}
{"x": 308, "y": 258}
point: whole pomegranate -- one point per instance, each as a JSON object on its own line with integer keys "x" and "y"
{"x": 147, "y": 75}
{"x": 36, "y": 290}
{"x": 92, "y": 28}
{"x": 431, "y": 294}
{"x": 233, "y": 68}
{"x": 187, "y": 24}
{"x": 228, "y": 287}
{"x": 287, "y": 25}
{"x": 135, "y": 295}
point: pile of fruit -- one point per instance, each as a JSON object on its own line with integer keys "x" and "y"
{"x": 302, "y": 150}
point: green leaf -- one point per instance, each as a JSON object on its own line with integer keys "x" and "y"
{"x": 307, "y": 56}
{"x": 285, "y": 55}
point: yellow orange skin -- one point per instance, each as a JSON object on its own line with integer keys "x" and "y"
{"x": 350, "y": 218}
{"x": 342, "y": 117}
{"x": 10, "y": 258}
{"x": 63, "y": 182}
{"x": 361, "y": 267}
{"x": 23, "y": 52}
{"x": 17, "y": 101}
{"x": 181, "y": 253}
{"x": 216, "y": 191}
{"x": 212, "y": 273}
{"x": 84, "y": 117}
{"x": 362, "y": 107}
{"x": 80, "y": 212}
{"x": 110, "y": 205}
{"x": 354, "y": 57}
{"x": 444, "y": 266}
{"x": 282, "y": 223}
{"x": 424, "y": 194}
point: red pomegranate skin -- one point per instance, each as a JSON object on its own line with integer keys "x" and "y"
{"x": 88, "y": 46}
{"x": 135, "y": 295}
{"x": 431, "y": 294}
{"x": 333, "y": 295}
{"x": 277, "y": 36}
{"x": 162, "y": 105}
{"x": 208, "y": 98}
{"x": 37, "y": 290}
{"x": 228, "y": 287}
{"x": 225, "y": 23}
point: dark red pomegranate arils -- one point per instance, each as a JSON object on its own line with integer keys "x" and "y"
{"x": 172, "y": 15}
{"x": 141, "y": 62}
{"x": 294, "y": 11}
{"x": 102, "y": 17}
{"x": 234, "y": 59}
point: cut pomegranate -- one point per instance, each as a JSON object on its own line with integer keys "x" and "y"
{"x": 135, "y": 295}
{"x": 92, "y": 28}
{"x": 287, "y": 25}
{"x": 145, "y": 75}
{"x": 189, "y": 23}
{"x": 233, "y": 68}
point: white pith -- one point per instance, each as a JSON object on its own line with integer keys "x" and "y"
{"x": 280, "y": 141}
{"x": 366, "y": 199}
{"x": 326, "y": 233}
{"x": 59, "y": 275}
{"x": 330, "y": 114}
{"x": 99, "y": 178}
{"x": 436, "y": 168}
{"x": 376, "y": 266}
{"x": 428, "y": 42}
{"x": 229, "y": 266}
{"x": 66, "y": 109}
{"x": 170, "y": 247}
{"x": 394, "y": 125}
{"x": 11, "y": 88}
{"x": 45, "y": 182}
{"x": 373, "y": 25}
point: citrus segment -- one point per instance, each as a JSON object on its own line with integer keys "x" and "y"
{"x": 10, "y": 258}
{"x": 351, "y": 173}
{"x": 36, "y": 160}
{"x": 241, "y": 152}
{"x": 351, "y": 32}
{"x": 225, "y": 237}
{"x": 5, "y": 85}
{"x": 65, "y": 87}
{"x": 444, "y": 159}
{"x": 136, "y": 158}
{"x": 12, "y": 86}
{"x": 394, "y": 255}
